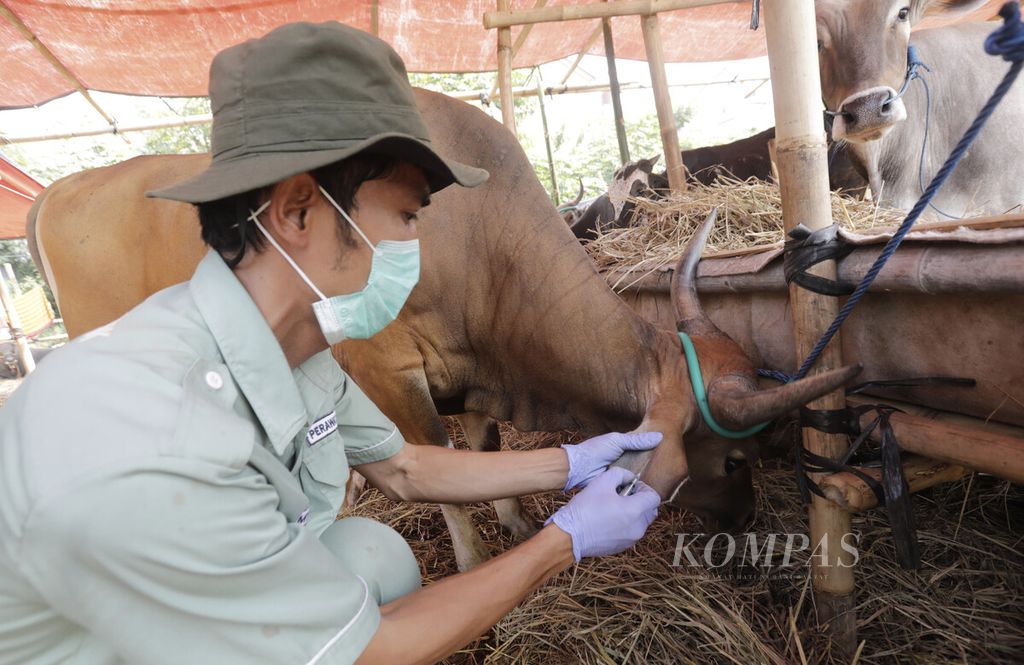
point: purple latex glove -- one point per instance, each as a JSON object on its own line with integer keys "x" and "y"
{"x": 601, "y": 522}
{"x": 589, "y": 459}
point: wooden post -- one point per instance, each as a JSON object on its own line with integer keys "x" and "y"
{"x": 790, "y": 30}
{"x": 613, "y": 79}
{"x": 663, "y": 103}
{"x": 520, "y": 40}
{"x": 547, "y": 138}
{"x": 508, "y": 114}
{"x": 12, "y": 279}
{"x": 14, "y": 325}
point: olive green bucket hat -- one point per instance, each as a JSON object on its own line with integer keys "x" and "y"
{"x": 304, "y": 96}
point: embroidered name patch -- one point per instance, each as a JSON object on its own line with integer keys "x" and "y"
{"x": 321, "y": 428}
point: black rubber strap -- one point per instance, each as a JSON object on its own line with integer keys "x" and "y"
{"x": 755, "y": 14}
{"x": 806, "y": 248}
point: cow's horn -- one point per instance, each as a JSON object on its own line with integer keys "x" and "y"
{"x": 735, "y": 404}
{"x": 690, "y": 316}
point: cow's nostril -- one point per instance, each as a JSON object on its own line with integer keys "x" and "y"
{"x": 734, "y": 464}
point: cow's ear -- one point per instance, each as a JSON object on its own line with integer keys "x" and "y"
{"x": 945, "y": 8}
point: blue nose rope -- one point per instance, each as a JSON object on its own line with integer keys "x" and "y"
{"x": 1008, "y": 42}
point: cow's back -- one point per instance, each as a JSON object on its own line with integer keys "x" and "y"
{"x": 104, "y": 247}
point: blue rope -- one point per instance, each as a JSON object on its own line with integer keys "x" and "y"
{"x": 1007, "y": 41}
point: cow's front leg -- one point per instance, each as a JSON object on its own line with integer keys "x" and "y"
{"x": 482, "y": 435}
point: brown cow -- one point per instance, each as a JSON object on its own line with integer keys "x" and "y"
{"x": 482, "y": 334}
{"x": 863, "y": 56}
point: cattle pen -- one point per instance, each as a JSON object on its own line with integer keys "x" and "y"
{"x": 940, "y": 399}
{"x": 799, "y": 153}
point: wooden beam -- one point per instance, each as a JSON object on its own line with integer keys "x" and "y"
{"x": 508, "y": 114}
{"x": 503, "y": 18}
{"x": 613, "y": 80}
{"x": 990, "y": 448}
{"x": 54, "y": 61}
{"x": 663, "y": 103}
{"x": 520, "y": 40}
{"x": 791, "y": 33}
{"x": 850, "y": 492}
{"x": 591, "y": 40}
{"x": 184, "y": 121}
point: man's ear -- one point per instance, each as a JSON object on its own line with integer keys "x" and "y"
{"x": 292, "y": 200}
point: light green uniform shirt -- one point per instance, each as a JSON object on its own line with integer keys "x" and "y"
{"x": 155, "y": 476}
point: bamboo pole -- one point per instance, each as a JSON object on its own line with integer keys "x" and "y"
{"x": 520, "y": 40}
{"x": 613, "y": 80}
{"x": 790, "y": 30}
{"x": 547, "y": 138}
{"x": 28, "y": 364}
{"x": 508, "y": 114}
{"x": 503, "y": 18}
{"x": 663, "y": 103}
{"x": 591, "y": 40}
{"x": 12, "y": 279}
{"x": 184, "y": 121}
{"x": 850, "y": 492}
{"x": 990, "y": 448}
{"x": 375, "y": 18}
{"x": 54, "y": 61}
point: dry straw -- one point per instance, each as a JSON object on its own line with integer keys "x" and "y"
{"x": 749, "y": 215}
{"x": 966, "y": 605}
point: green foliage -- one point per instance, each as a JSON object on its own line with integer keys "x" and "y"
{"x": 16, "y": 253}
{"x": 593, "y": 156}
{"x": 182, "y": 140}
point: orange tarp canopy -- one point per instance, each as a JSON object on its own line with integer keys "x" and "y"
{"x": 164, "y": 47}
{"x": 17, "y": 192}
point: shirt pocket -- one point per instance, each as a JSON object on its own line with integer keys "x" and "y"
{"x": 326, "y": 461}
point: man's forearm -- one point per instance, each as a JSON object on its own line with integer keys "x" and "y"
{"x": 444, "y": 475}
{"x": 434, "y": 622}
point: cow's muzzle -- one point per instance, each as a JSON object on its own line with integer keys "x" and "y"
{"x": 868, "y": 115}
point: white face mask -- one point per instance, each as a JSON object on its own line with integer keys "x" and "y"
{"x": 394, "y": 272}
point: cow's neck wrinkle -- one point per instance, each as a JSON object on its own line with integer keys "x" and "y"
{"x": 567, "y": 352}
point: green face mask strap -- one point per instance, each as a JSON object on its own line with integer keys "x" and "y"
{"x": 693, "y": 366}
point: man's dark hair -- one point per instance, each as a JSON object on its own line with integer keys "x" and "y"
{"x": 225, "y": 224}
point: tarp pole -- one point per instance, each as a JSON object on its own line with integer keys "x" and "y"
{"x": 12, "y": 280}
{"x": 663, "y": 103}
{"x": 28, "y": 364}
{"x": 520, "y": 40}
{"x": 790, "y": 29}
{"x": 613, "y": 79}
{"x": 547, "y": 138}
{"x": 503, "y": 18}
{"x": 579, "y": 57}
{"x": 508, "y": 114}
{"x": 14, "y": 20}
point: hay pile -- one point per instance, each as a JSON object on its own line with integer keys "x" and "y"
{"x": 966, "y": 604}
{"x": 749, "y": 215}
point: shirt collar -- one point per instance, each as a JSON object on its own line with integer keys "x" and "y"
{"x": 250, "y": 350}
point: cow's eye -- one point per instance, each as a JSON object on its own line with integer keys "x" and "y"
{"x": 821, "y": 44}
{"x": 734, "y": 463}
{"x": 904, "y": 14}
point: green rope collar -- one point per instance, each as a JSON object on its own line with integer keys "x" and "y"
{"x": 693, "y": 366}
